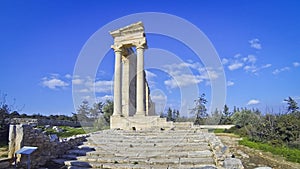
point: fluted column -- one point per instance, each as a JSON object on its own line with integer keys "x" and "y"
{"x": 140, "y": 81}
{"x": 118, "y": 82}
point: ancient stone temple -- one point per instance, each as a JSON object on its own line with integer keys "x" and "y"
{"x": 133, "y": 108}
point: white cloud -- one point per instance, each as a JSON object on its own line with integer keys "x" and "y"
{"x": 149, "y": 74}
{"x": 68, "y": 76}
{"x": 224, "y": 61}
{"x": 235, "y": 66}
{"x": 104, "y": 98}
{"x": 53, "y": 83}
{"x": 277, "y": 71}
{"x": 182, "y": 74}
{"x": 150, "y": 78}
{"x": 230, "y": 83}
{"x": 103, "y": 86}
{"x": 86, "y": 85}
{"x": 253, "y": 102}
{"x": 158, "y": 97}
{"x": 237, "y": 55}
{"x": 77, "y": 81}
{"x": 296, "y": 64}
{"x": 183, "y": 80}
{"x": 251, "y": 68}
{"x": 255, "y": 43}
{"x": 251, "y": 59}
{"x": 266, "y": 66}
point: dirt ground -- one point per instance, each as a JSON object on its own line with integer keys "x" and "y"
{"x": 255, "y": 158}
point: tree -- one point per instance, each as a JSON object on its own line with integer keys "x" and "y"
{"x": 214, "y": 118}
{"x": 245, "y": 118}
{"x": 96, "y": 110}
{"x": 74, "y": 117}
{"x": 108, "y": 109}
{"x": 177, "y": 115}
{"x": 225, "y": 119}
{"x": 200, "y": 110}
{"x": 169, "y": 115}
{"x": 14, "y": 114}
{"x": 83, "y": 111}
{"x": 292, "y": 105}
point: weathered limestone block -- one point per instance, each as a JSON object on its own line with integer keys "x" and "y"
{"x": 25, "y": 135}
{"x": 233, "y": 163}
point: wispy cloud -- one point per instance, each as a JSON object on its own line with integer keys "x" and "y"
{"x": 183, "y": 80}
{"x": 224, "y": 61}
{"x": 87, "y": 84}
{"x": 235, "y": 65}
{"x": 250, "y": 59}
{"x": 253, "y": 102}
{"x": 277, "y": 71}
{"x": 158, "y": 97}
{"x": 149, "y": 74}
{"x": 68, "y": 76}
{"x": 296, "y": 64}
{"x": 266, "y": 66}
{"x": 54, "y": 82}
{"x": 182, "y": 74}
{"x": 230, "y": 83}
{"x": 255, "y": 43}
{"x": 77, "y": 81}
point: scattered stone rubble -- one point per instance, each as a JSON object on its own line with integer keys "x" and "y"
{"x": 48, "y": 148}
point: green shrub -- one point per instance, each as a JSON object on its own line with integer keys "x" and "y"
{"x": 290, "y": 154}
{"x": 219, "y": 131}
{"x": 68, "y": 131}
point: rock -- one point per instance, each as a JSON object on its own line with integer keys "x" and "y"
{"x": 263, "y": 168}
{"x": 57, "y": 129}
{"x": 47, "y": 126}
{"x": 233, "y": 163}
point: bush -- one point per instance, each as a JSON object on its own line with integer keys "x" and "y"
{"x": 68, "y": 131}
{"x": 290, "y": 154}
{"x": 219, "y": 131}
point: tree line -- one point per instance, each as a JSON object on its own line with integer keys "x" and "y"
{"x": 278, "y": 129}
{"x": 282, "y": 128}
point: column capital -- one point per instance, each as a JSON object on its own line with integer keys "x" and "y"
{"x": 117, "y": 48}
{"x": 140, "y": 45}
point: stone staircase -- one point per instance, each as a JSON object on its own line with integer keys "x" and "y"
{"x": 194, "y": 148}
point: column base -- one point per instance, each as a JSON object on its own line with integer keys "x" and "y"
{"x": 140, "y": 113}
{"x": 117, "y": 115}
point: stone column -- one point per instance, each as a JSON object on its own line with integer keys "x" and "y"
{"x": 140, "y": 81}
{"x": 118, "y": 82}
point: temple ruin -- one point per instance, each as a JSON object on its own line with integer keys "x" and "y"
{"x": 133, "y": 107}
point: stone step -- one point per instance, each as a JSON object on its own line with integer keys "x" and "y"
{"x": 159, "y": 164}
{"x": 145, "y": 149}
{"x": 141, "y": 160}
{"x": 147, "y": 144}
{"x": 69, "y": 156}
{"x": 78, "y": 152}
{"x": 120, "y": 147}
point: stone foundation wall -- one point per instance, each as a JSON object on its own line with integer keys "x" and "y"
{"x": 42, "y": 122}
{"x": 25, "y": 135}
{"x": 139, "y": 122}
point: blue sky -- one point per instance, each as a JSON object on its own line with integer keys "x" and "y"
{"x": 257, "y": 41}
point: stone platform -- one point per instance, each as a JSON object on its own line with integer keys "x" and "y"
{"x": 139, "y": 122}
{"x": 193, "y": 148}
